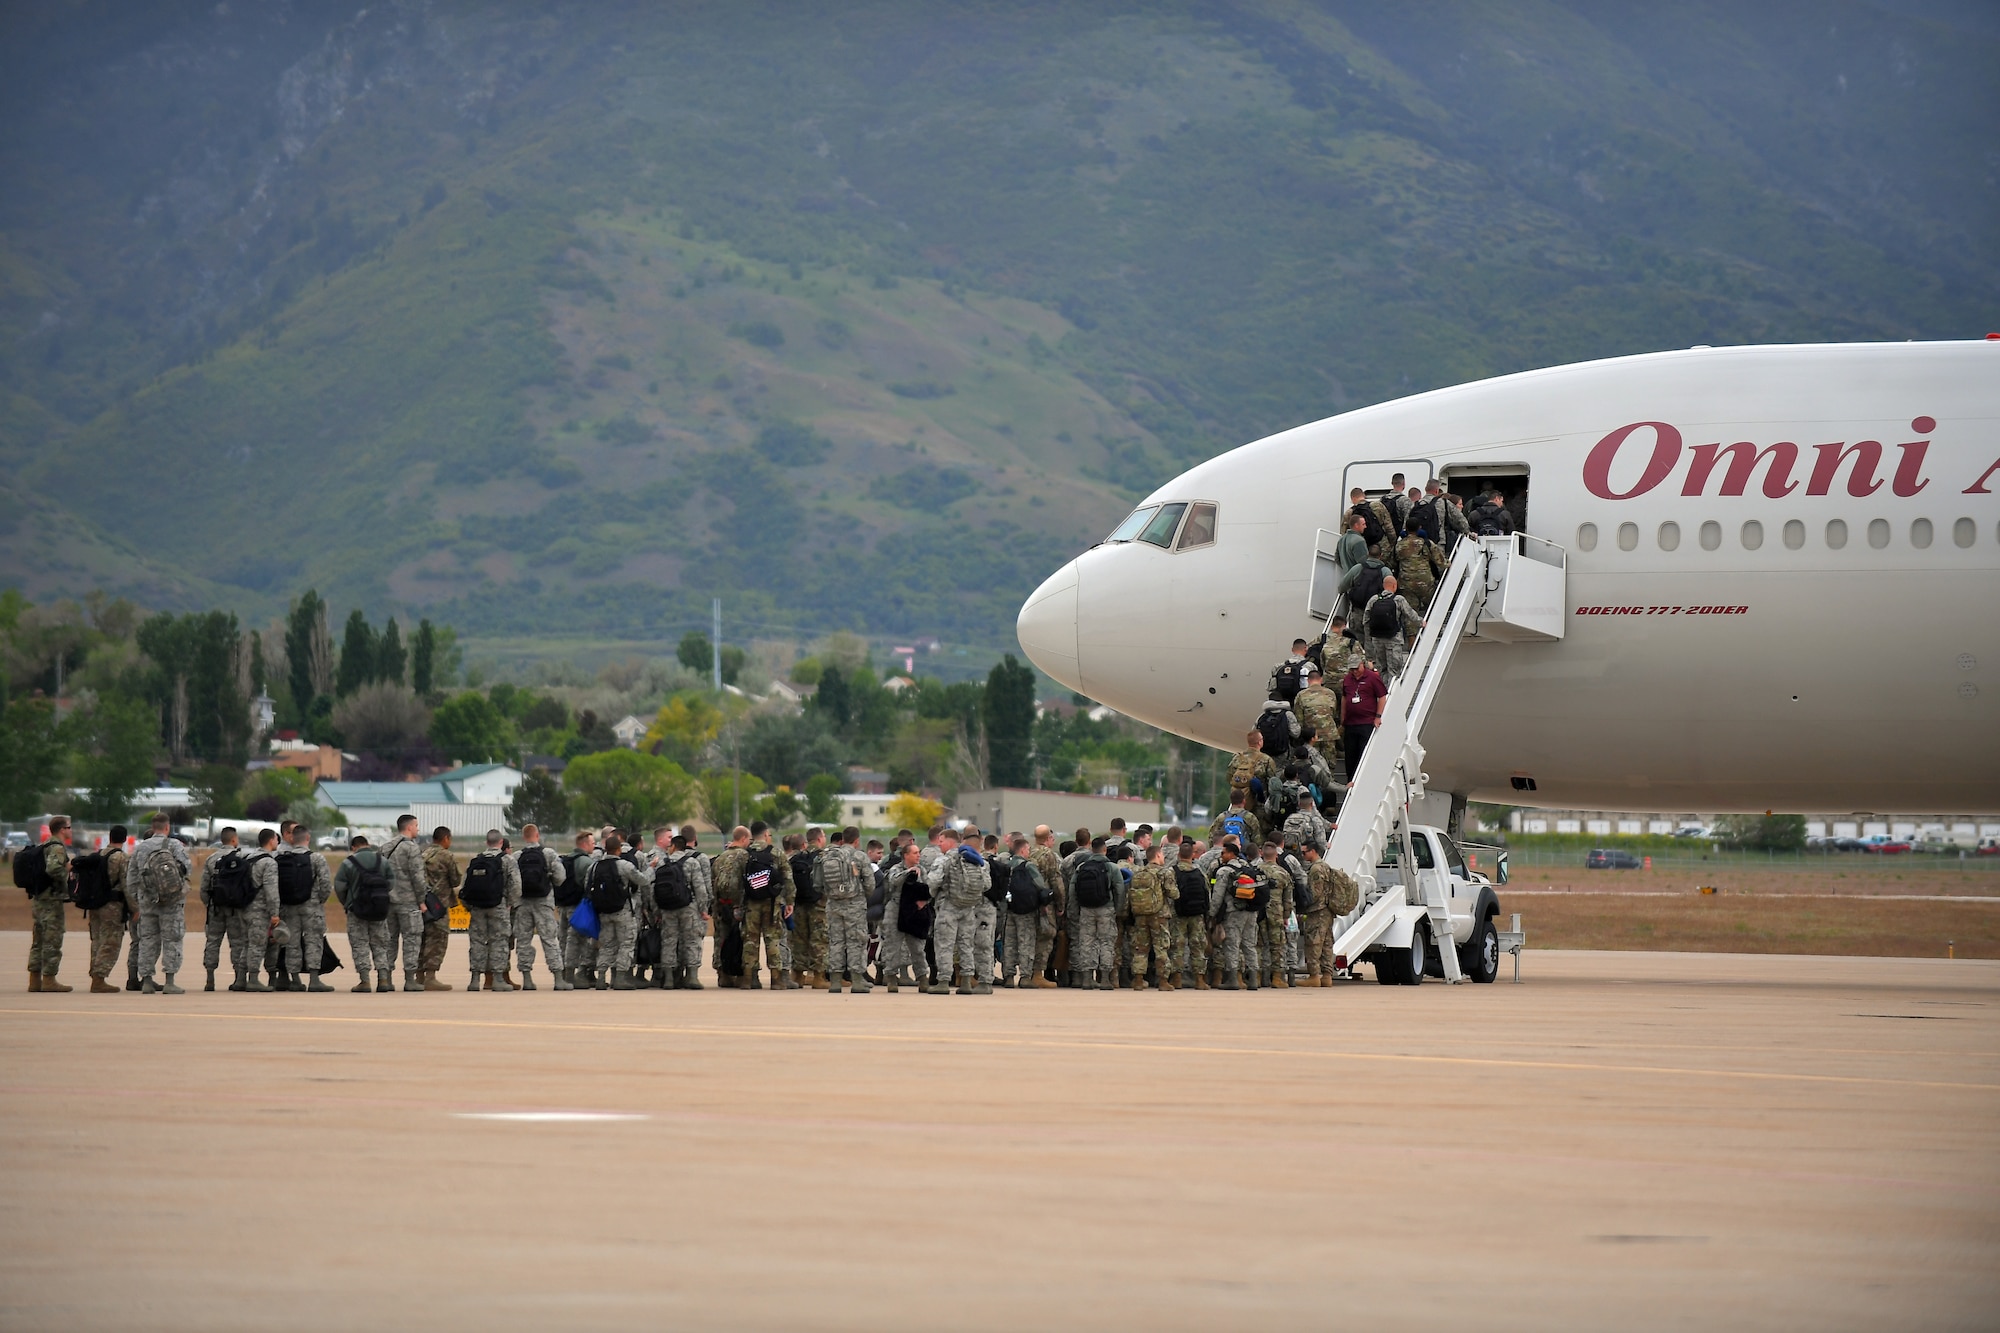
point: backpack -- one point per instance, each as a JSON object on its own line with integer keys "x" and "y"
{"x": 760, "y": 874}
{"x": 1246, "y": 897}
{"x": 1302, "y": 895}
{"x": 485, "y": 885}
{"x": 93, "y": 881}
{"x": 232, "y": 886}
{"x": 369, "y": 898}
{"x": 607, "y": 887}
{"x": 1024, "y": 896}
{"x": 1288, "y": 679}
{"x": 570, "y": 892}
{"x": 160, "y": 875}
{"x": 915, "y": 911}
{"x": 1000, "y": 880}
{"x": 1194, "y": 889}
{"x": 1368, "y": 577}
{"x": 1491, "y": 520}
{"x": 31, "y": 869}
{"x": 295, "y": 879}
{"x": 1093, "y": 883}
{"x": 1275, "y": 726}
{"x": 804, "y": 892}
{"x": 533, "y": 863}
{"x": 671, "y": 890}
{"x": 1235, "y": 823}
{"x": 1384, "y": 619}
{"x": 1372, "y": 533}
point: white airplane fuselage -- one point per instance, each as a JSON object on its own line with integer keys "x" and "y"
{"x": 1783, "y": 581}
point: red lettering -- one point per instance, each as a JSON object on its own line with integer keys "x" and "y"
{"x": 1597, "y": 467}
{"x": 1908, "y": 482}
{"x": 1867, "y": 455}
{"x": 1979, "y": 487}
{"x": 1743, "y": 459}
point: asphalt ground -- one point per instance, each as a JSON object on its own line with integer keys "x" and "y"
{"x": 1630, "y": 1140}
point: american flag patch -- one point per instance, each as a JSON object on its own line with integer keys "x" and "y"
{"x": 760, "y": 879}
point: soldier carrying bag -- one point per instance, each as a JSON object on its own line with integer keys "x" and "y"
{"x": 1194, "y": 890}
{"x": 533, "y": 863}
{"x": 671, "y": 890}
{"x": 485, "y": 885}
{"x": 760, "y": 874}
{"x": 232, "y": 886}
{"x": 607, "y": 887}
{"x": 369, "y": 899}
{"x": 570, "y": 892}
{"x": 93, "y": 881}
{"x": 1025, "y": 894}
{"x": 31, "y": 869}
{"x": 295, "y": 879}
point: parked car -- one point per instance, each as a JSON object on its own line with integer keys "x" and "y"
{"x": 1610, "y": 858}
{"x": 1849, "y": 845}
{"x": 1987, "y": 847}
{"x": 1884, "y": 845}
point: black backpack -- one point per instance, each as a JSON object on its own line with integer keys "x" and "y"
{"x": 671, "y": 890}
{"x": 31, "y": 869}
{"x": 93, "y": 881}
{"x": 760, "y": 874}
{"x": 1372, "y": 534}
{"x": 1024, "y": 896}
{"x": 1093, "y": 883}
{"x": 1226, "y": 879}
{"x": 607, "y": 887}
{"x": 804, "y": 892}
{"x": 485, "y": 885}
{"x": 570, "y": 892}
{"x": 1491, "y": 520}
{"x": 295, "y": 879}
{"x": 1384, "y": 619}
{"x": 533, "y": 863}
{"x": 999, "y": 879}
{"x": 369, "y": 899}
{"x": 1367, "y": 582}
{"x": 915, "y": 911}
{"x": 1302, "y": 896}
{"x": 1275, "y": 726}
{"x": 1289, "y": 678}
{"x": 232, "y": 886}
{"x": 1193, "y": 886}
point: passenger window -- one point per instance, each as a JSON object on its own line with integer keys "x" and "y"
{"x": 1129, "y": 529}
{"x": 1421, "y": 845}
{"x": 1453, "y": 859}
{"x": 1160, "y": 532}
{"x": 1200, "y": 529}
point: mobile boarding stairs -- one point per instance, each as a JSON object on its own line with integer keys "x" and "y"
{"x": 1496, "y": 590}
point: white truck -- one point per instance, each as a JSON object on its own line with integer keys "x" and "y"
{"x": 1411, "y": 926}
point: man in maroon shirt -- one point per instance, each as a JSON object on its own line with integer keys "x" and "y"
{"x": 1361, "y": 696}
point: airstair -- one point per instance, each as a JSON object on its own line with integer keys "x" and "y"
{"x": 1498, "y": 589}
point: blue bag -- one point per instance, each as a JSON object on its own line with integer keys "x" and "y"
{"x": 584, "y": 919}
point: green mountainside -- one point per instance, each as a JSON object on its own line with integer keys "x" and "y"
{"x": 560, "y": 320}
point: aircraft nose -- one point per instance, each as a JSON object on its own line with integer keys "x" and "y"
{"x": 1047, "y": 627}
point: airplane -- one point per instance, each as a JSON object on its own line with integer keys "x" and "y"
{"x": 1780, "y": 579}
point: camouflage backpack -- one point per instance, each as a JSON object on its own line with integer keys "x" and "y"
{"x": 161, "y": 876}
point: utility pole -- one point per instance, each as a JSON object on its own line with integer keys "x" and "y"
{"x": 715, "y": 648}
{"x": 736, "y": 775}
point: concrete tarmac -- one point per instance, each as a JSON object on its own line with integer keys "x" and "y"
{"x": 1629, "y": 1140}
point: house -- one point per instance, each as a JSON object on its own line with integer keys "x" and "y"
{"x": 865, "y": 809}
{"x": 481, "y": 784}
{"x": 629, "y": 731}
{"x": 867, "y": 781}
{"x": 321, "y": 761}
{"x": 897, "y": 684}
{"x": 786, "y": 693}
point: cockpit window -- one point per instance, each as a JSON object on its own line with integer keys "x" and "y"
{"x": 1200, "y": 529}
{"x": 1129, "y": 529}
{"x": 1160, "y": 532}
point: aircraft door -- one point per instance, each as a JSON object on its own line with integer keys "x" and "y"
{"x": 1475, "y": 480}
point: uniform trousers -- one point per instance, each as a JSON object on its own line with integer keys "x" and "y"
{"x": 537, "y": 916}
{"x": 847, "y": 939}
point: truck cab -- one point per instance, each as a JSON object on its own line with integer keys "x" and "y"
{"x": 1443, "y": 895}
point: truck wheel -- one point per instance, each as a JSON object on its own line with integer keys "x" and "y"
{"x": 1404, "y": 966}
{"x": 1385, "y": 968}
{"x": 1480, "y": 958}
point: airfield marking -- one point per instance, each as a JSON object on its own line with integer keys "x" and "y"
{"x": 1039, "y": 1043}
{"x": 552, "y": 1117}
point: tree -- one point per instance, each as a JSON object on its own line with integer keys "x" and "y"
{"x": 539, "y": 800}
{"x": 385, "y": 718}
{"x": 389, "y": 654}
{"x": 718, "y": 792}
{"x": 31, "y": 754}
{"x": 791, "y": 747}
{"x": 423, "y": 658}
{"x": 1008, "y": 711}
{"x": 628, "y": 788}
{"x": 823, "y": 798}
{"x": 357, "y": 656}
{"x": 308, "y": 651}
{"x": 1775, "y": 833}
{"x": 831, "y": 701}
{"x": 908, "y": 809}
{"x": 696, "y": 653}
{"x": 215, "y": 789}
{"x": 285, "y": 786}
{"x": 683, "y": 729}
{"x": 471, "y": 730}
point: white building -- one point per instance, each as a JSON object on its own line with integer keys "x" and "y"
{"x": 629, "y": 731}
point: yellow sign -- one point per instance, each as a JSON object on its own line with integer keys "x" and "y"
{"x": 461, "y": 918}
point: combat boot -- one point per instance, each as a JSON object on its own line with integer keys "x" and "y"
{"x": 832, "y": 986}
{"x": 411, "y": 982}
{"x": 820, "y": 980}
{"x": 1042, "y": 983}
{"x": 360, "y": 986}
{"x": 429, "y": 981}
{"x": 1280, "y": 980}
{"x": 132, "y": 981}
{"x": 1201, "y": 981}
{"x": 1229, "y": 981}
{"x": 982, "y": 988}
{"x": 99, "y": 986}
{"x": 1107, "y": 980}
{"x": 473, "y": 985}
{"x": 858, "y": 985}
{"x": 600, "y": 978}
{"x": 933, "y": 987}
{"x": 498, "y": 981}
{"x": 251, "y": 983}
{"x": 889, "y": 980}
{"x": 279, "y": 982}
{"x": 621, "y": 980}
{"x": 663, "y": 978}
{"x": 784, "y": 981}
{"x": 1168, "y": 983}
{"x": 749, "y": 980}
{"x": 237, "y": 985}
{"x": 211, "y": 980}
{"x": 170, "y": 988}
{"x": 34, "y": 982}
{"x": 527, "y": 980}
{"x": 148, "y": 988}
{"x": 562, "y": 980}
{"x": 691, "y": 979}
{"x": 317, "y": 983}
{"x": 1250, "y": 979}
{"x": 963, "y": 982}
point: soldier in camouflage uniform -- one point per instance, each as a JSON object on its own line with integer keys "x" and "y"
{"x": 1150, "y": 901}
{"x": 156, "y": 886}
{"x": 1045, "y": 859}
{"x": 1319, "y": 711}
{"x": 223, "y": 922}
{"x": 1276, "y": 912}
{"x": 727, "y": 874}
{"x": 958, "y": 881}
{"x": 253, "y": 926}
{"x": 1020, "y": 947}
{"x": 681, "y": 930}
{"x": 486, "y": 931}
{"x": 1334, "y": 894}
{"x": 1253, "y": 771}
{"x": 1417, "y": 564}
{"x": 1238, "y": 954}
{"x": 986, "y": 917}
{"x": 107, "y": 923}
{"x": 1237, "y": 820}
{"x": 407, "y": 884}
{"x": 535, "y": 914}
{"x": 903, "y": 952}
{"x": 1190, "y": 918}
{"x": 579, "y": 951}
{"x": 441, "y": 876}
{"x": 373, "y": 943}
{"x": 845, "y": 877}
{"x": 1391, "y": 652}
{"x": 1305, "y": 824}
{"x": 612, "y": 968}
{"x": 307, "y": 920}
{"x": 764, "y": 917}
{"x": 47, "y": 910}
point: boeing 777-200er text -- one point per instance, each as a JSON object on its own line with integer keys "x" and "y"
{"x": 1768, "y": 577}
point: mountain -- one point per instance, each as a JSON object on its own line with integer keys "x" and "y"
{"x": 562, "y": 319}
